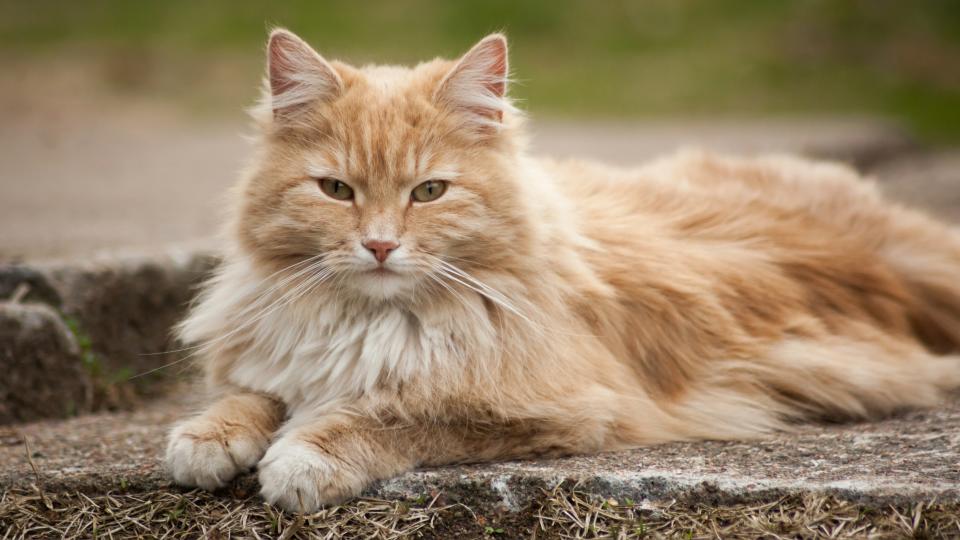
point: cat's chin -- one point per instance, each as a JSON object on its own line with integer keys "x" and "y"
{"x": 382, "y": 283}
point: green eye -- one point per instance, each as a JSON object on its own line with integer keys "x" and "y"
{"x": 430, "y": 190}
{"x": 336, "y": 189}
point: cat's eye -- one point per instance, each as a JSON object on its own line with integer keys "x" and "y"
{"x": 430, "y": 190}
{"x": 336, "y": 189}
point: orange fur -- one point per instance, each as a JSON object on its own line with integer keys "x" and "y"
{"x": 539, "y": 307}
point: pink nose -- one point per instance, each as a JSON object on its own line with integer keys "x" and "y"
{"x": 380, "y": 248}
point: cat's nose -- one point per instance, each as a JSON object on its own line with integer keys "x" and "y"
{"x": 380, "y": 248}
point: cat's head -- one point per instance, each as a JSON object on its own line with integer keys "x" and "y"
{"x": 378, "y": 173}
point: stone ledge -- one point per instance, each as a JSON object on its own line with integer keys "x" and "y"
{"x": 115, "y": 312}
{"x": 900, "y": 460}
{"x": 42, "y": 355}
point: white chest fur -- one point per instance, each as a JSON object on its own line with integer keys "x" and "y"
{"x": 315, "y": 354}
{"x": 328, "y": 347}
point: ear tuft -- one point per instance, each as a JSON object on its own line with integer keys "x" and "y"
{"x": 477, "y": 84}
{"x": 298, "y": 75}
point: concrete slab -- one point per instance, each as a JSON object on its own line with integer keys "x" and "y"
{"x": 913, "y": 457}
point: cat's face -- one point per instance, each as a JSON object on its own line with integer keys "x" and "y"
{"x": 383, "y": 176}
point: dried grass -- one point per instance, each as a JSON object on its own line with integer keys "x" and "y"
{"x": 197, "y": 514}
{"x": 574, "y": 514}
{"x": 564, "y": 512}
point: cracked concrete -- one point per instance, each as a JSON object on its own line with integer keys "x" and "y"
{"x": 914, "y": 456}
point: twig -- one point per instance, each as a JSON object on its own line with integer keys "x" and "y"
{"x": 36, "y": 473}
{"x": 22, "y": 290}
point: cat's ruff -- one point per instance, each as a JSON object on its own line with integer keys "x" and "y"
{"x": 528, "y": 307}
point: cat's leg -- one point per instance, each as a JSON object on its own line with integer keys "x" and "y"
{"x": 328, "y": 461}
{"x": 229, "y": 437}
{"x": 337, "y": 456}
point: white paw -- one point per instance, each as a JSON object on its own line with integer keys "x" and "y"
{"x": 297, "y": 477}
{"x": 197, "y": 456}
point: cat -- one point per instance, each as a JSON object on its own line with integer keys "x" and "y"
{"x": 404, "y": 286}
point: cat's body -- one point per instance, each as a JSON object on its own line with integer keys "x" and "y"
{"x": 533, "y": 307}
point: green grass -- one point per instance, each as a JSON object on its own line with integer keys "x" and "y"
{"x": 613, "y": 59}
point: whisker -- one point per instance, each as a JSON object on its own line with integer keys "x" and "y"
{"x": 461, "y": 259}
{"x": 486, "y": 370}
{"x": 449, "y": 289}
{"x": 318, "y": 261}
{"x": 315, "y": 261}
{"x": 289, "y": 297}
{"x": 492, "y": 294}
{"x": 494, "y": 298}
{"x": 480, "y": 287}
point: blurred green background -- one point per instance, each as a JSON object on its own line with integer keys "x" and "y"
{"x": 597, "y": 59}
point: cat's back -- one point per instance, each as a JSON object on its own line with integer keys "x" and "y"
{"x": 800, "y": 237}
{"x": 695, "y": 195}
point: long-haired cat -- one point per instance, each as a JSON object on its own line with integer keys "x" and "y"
{"x": 405, "y": 286}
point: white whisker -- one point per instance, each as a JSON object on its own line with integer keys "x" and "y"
{"x": 314, "y": 260}
{"x": 460, "y": 276}
{"x": 287, "y": 298}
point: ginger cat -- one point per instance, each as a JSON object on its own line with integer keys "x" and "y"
{"x": 405, "y": 286}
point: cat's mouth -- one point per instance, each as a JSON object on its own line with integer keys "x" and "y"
{"x": 383, "y": 271}
{"x": 383, "y": 282}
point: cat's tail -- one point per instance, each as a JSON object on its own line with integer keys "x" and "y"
{"x": 834, "y": 378}
{"x": 926, "y": 254}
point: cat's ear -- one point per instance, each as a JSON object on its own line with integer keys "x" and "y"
{"x": 477, "y": 84}
{"x": 298, "y": 75}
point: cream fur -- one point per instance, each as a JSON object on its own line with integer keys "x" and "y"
{"x": 537, "y": 307}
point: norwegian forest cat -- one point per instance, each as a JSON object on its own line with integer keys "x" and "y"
{"x": 404, "y": 286}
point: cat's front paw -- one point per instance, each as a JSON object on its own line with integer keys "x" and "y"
{"x": 299, "y": 477}
{"x": 203, "y": 454}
